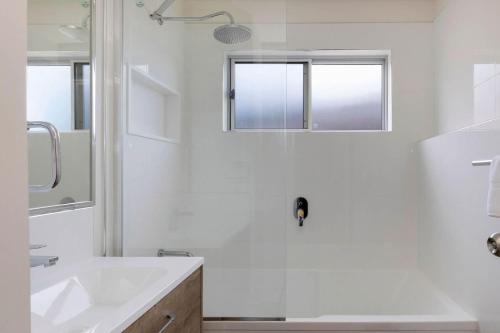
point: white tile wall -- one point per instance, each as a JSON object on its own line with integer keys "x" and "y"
{"x": 154, "y": 172}
{"x": 453, "y": 224}
{"x": 484, "y": 101}
{"x": 467, "y": 55}
{"x": 483, "y": 72}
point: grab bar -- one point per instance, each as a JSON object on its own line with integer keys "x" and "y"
{"x": 481, "y": 163}
{"x": 55, "y": 141}
{"x": 169, "y": 253}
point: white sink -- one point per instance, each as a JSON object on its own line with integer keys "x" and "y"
{"x": 103, "y": 294}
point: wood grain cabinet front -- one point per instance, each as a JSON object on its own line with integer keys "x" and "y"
{"x": 178, "y": 312}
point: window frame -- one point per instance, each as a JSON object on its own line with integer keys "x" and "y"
{"x": 75, "y": 64}
{"x": 310, "y": 59}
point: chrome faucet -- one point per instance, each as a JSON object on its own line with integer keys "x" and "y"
{"x": 45, "y": 261}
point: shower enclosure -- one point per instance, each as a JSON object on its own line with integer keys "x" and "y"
{"x": 218, "y": 140}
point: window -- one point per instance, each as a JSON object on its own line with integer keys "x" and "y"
{"x": 309, "y": 94}
{"x": 49, "y": 95}
{"x": 60, "y": 94}
{"x": 269, "y": 95}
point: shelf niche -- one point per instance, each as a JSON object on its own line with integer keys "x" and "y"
{"x": 153, "y": 108}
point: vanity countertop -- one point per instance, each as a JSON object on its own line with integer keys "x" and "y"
{"x": 103, "y": 294}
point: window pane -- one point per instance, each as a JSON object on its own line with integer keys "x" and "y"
{"x": 49, "y": 95}
{"x": 347, "y": 97}
{"x": 269, "y": 96}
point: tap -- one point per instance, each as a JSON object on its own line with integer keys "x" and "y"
{"x": 45, "y": 261}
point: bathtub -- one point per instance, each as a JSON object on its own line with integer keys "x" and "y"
{"x": 350, "y": 301}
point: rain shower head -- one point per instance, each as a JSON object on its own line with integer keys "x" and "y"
{"x": 231, "y": 33}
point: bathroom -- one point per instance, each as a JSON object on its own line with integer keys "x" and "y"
{"x": 227, "y": 166}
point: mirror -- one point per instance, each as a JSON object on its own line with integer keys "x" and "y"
{"x": 59, "y": 105}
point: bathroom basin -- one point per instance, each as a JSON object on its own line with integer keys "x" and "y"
{"x": 103, "y": 294}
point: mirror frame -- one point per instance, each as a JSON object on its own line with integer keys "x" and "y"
{"x": 91, "y": 202}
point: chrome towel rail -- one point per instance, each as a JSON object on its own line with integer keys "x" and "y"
{"x": 55, "y": 141}
{"x": 481, "y": 163}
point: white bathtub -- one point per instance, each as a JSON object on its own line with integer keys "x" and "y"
{"x": 376, "y": 301}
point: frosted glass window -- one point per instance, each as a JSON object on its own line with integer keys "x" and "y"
{"x": 347, "y": 97}
{"x": 311, "y": 94}
{"x": 49, "y": 95}
{"x": 268, "y": 96}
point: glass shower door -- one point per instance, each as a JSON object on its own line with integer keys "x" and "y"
{"x": 189, "y": 184}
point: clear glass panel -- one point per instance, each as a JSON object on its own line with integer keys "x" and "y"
{"x": 347, "y": 97}
{"x": 269, "y": 96}
{"x": 218, "y": 195}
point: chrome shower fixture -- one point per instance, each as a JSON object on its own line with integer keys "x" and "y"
{"x": 231, "y": 33}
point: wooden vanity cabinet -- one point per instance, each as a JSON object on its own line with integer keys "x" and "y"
{"x": 178, "y": 312}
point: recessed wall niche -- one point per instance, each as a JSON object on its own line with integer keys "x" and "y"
{"x": 153, "y": 108}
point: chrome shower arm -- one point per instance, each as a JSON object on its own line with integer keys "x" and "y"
{"x": 162, "y": 19}
{"x": 201, "y": 18}
{"x": 159, "y": 12}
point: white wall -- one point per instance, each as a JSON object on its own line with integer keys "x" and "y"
{"x": 467, "y": 56}
{"x": 14, "y": 281}
{"x": 360, "y": 185}
{"x": 68, "y": 235}
{"x": 453, "y": 225}
{"x": 153, "y": 170}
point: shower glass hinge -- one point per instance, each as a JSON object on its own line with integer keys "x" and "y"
{"x": 232, "y": 94}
